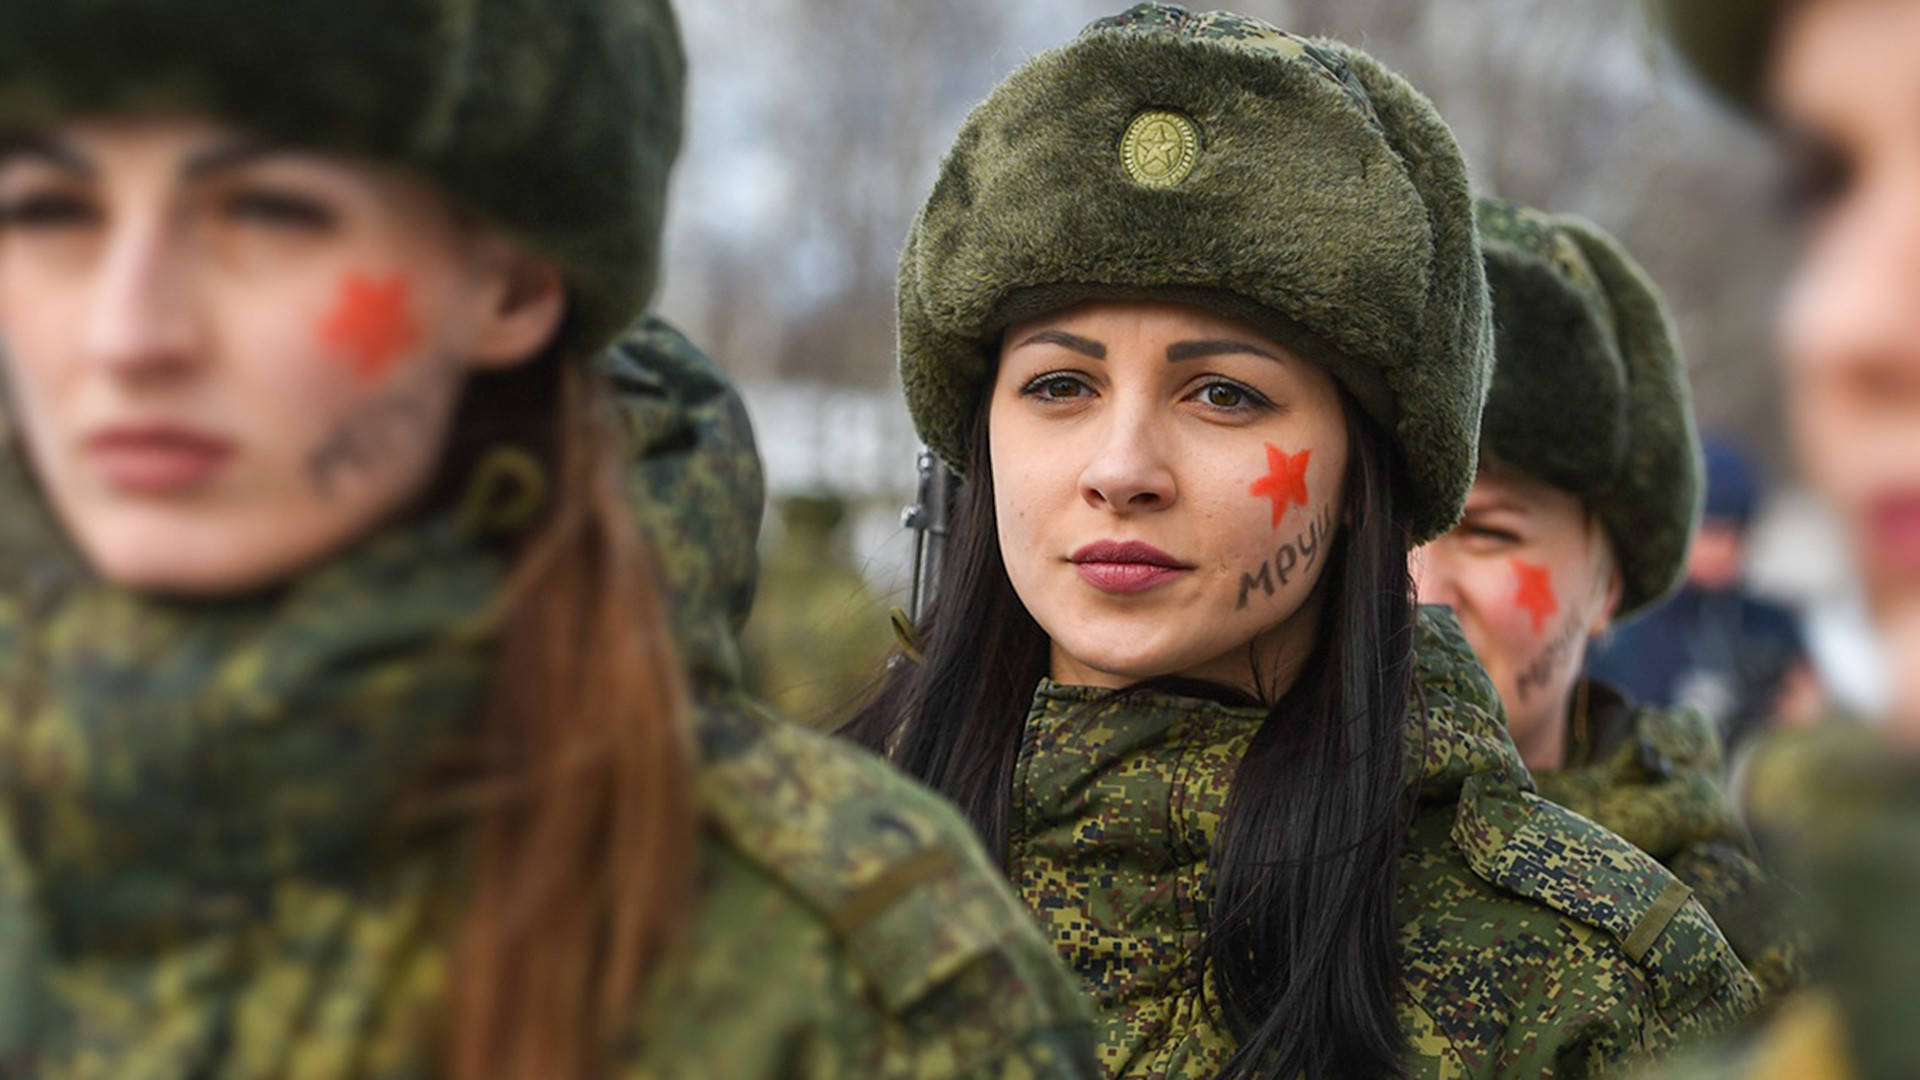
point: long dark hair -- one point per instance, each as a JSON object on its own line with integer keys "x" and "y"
{"x": 1303, "y": 940}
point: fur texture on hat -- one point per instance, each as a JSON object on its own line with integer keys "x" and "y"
{"x": 557, "y": 120}
{"x": 1326, "y": 204}
{"x": 1589, "y": 393}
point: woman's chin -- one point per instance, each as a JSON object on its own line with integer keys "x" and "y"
{"x": 1121, "y": 661}
{"x": 195, "y": 562}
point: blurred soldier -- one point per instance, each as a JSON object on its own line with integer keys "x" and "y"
{"x": 1579, "y": 516}
{"x": 818, "y": 630}
{"x": 1837, "y": 84}
{"x": 359, "y": 730}
{"x": 1713, "y": 645}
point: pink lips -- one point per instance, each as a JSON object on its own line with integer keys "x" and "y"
{"x": 1130, "y": 567}
{"x": 157, "y": 460}
{"x": 1894, "y": 529}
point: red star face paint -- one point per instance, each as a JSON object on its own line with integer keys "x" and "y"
{"x": 1285, "y": 482}
{"x": 371, "y": 322}
{"x": 1535, "y": 592}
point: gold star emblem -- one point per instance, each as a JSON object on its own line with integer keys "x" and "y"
{"x": 1159, "y": 148}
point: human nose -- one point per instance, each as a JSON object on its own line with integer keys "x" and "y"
{"x": 1854, "y": 311}
{"x": 1129, "y": 471}
{"x": 139, "y": 324}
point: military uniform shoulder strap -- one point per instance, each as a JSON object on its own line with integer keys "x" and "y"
{"x": 893, "y": 872}
{"x": 1553, "y": 856}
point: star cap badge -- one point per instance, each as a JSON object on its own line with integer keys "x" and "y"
{"x": 1159, "y": 148}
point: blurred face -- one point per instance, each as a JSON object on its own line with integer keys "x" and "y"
{"x": 1531, "y": 579}
{"x": 1168, "y": 486}
{"x": 230, "y": 358}
{"x": 1717, "y": 559}
{"x": 1846, "y": 88}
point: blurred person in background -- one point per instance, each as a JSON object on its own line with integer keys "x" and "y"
{"x": 1837, "y": 85}
{"x": 1714, "y": 646}
{"x": 819, "y": 630}
{"x": 1196, "y": 308}
{"x": 1586, "y": 493}
{"x": 353, "y": 737}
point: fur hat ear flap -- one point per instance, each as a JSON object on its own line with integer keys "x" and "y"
{"x": 1653, "y": 504}
{"x": 1442, "y": 441}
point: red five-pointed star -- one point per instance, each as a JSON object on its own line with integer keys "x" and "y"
{"x": 1535, "y": 593}
{"x": 1285, "y": 482}
{"x": 370, "y": 321}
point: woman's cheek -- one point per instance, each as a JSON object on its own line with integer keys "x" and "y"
{"x": 1546, "y": 633}
{"x": 1289, "y": 527}
{"x": 370, "y": 405}
{"x": 370, "y": 324}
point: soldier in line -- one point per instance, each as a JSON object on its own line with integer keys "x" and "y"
{"x": 1587, "y": 491}
{"x": 355, "y": 735}
{"x": 1835, "y": 83}
{"x": 1197, "y": 309}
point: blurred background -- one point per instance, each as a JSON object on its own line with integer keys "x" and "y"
{"x": 815, "y": 130}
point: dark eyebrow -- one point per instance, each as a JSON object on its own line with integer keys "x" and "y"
{"x": 52, "y": 151}
{"x": 1071, "y": 341}
{"x": 1194, "y": 350}
{"x": 226, "y": 155}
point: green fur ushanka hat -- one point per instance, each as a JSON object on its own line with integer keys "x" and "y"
{"x": 557, "y": 120}
{"x": 1589, "y": 393}
{"x": 1215, "y": 160}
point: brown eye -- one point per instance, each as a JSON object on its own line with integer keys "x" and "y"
{"x": 1817, "y": 178}
{"x": 279, "y": 210}
{"x": 1227, "y": 396}
{"x": 1057, "y": 386}
{"x": 1222, "y": 396}
{"x": 49, "y": 211}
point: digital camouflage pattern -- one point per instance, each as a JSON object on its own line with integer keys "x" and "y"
{"x": 206, "y": 871}
{"x": 883, "y": 894}
{"x": 696, "y": 487}
{"x": 1837, "y": 808}
{"x": 1534, "y": 943}
{"x": 1653, "y": 776}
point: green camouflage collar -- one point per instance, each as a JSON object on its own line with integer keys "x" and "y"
{"x": 1117, "y": 798}
{"x": 166, "y": 762}
{"x": 1460, "y": 729}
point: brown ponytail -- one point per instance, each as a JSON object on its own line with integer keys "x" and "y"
{"x": 581, "y": 866}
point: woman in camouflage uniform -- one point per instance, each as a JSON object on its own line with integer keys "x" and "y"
{"x": 1833, "y": 84}
{"x": 1579, "y": 516}
{"x": 1197, "y": 309}
{"x": 351, "y": 740}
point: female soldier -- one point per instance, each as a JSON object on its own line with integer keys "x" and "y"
{"x": 358, "y": 747}
{"x": 1835, "y": 84}
{"x": 1579, "y": 516}
{"x": 1196, "y": 307}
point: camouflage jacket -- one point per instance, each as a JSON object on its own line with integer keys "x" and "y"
{"x": 200, "y": 874}
{"x": 1653, "y": 776}
{"x": 1837, "y": 808}
{"x": 1533, "y": 942}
